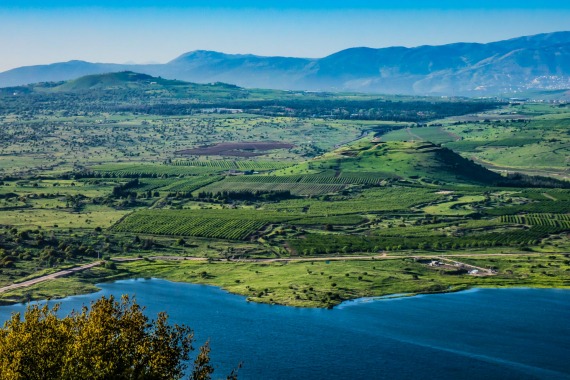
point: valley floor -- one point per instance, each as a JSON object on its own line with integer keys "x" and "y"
{"x": 314, "y": 202}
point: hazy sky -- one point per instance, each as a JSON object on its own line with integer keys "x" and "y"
{"x": 45, "y": 31}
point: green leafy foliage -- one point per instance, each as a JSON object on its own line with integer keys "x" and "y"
{"x": 110, "y": 340}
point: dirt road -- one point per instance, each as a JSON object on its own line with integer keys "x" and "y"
{"x": 67, "y": 272}
{"x": 328, "y": 258}
{"x": 413, "y": 135}
{"x": 48, "y": 277}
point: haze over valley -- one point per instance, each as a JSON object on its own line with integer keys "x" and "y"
{"x": 535, "y": 63}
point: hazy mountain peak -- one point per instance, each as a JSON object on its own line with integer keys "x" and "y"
{"x": 200, "y": 54}
{"x": 539, "y": 62}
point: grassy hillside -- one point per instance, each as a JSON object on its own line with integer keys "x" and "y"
{"x": 421, "y": 161}
{"x": 528, "y": 137}
{"x": 125, "y": 79}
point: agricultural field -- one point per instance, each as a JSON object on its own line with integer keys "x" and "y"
{"x": 237, "y": 149}
{"x": 235, "y": 165}
{"x": 529, "y": 138}
{"x": 142, "y": 139}
{"x": 293, "y": 187}
{"x": 224, "y": 224}
{"x": 296, "y": 198}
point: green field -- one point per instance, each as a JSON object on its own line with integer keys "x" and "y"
{"x": 368, "y": 191}
{"x": 531, "y": 138}
{"x": 224, "y": 224}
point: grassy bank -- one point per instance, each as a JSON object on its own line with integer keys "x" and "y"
{"x": 319, "y": 283}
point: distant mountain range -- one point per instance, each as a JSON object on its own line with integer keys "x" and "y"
{"x": 540, "y": 62}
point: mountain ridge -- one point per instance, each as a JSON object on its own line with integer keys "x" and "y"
{"x": 539, "y": 62}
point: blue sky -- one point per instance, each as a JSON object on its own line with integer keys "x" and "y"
{"x": 293, "y": 4}
{"x": 45, "y": 31}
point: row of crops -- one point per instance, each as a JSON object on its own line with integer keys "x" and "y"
{"x": 149, "y": 184}
{"x": 342, "y": 179}
{"x": 542, "y": 207}
{"x": 338, "y": 220}
{"x": 556, "y": 220}
{"x": 333, "y": 243}
{"x": 371, "y": 200}
{"x": 218, "y": 224}
{"x": 547, "y": 194}
{"x": 296, "y": 184}
{"x": 411, "y": 231}
{"x": 294, "y": 188}
{"x": 236, "y": 165}
{"x": 182, "y": 225}
{"x": 131, "y": 171}
{"x": 264, "y": 179}
{"x": 192, "y": 184}
{"x": 360, "y": 178}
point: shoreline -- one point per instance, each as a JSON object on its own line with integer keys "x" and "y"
{"x": 342, "y": 303}
{"x": 306, "y": 282}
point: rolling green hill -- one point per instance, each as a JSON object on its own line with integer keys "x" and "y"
{"x": 399, "y": 160}
{"x": 124, "y": 79}
{"x": 133, "y": 84}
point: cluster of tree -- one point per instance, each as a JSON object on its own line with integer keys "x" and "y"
{"x": 313, "y": 244}
{"x": 523, "y": 180}
{"x": 376, "y": 109}
{"x": 110, "y": 340}
{"x": 124, "y": 190}
{"x": 471, "y": 171}
{"x": 133, "y": 101}
{"x": 8, "y": 195}
{"x": 143, "y": 243}
{"x": 488, "y": 121}
{"x": 47, "y": 248}
{"x": 180, "y": 195}
{"x": 149, "y": 194}
{"x": 465, "y": 168}
{"x": 76, "y": 202}
{"x": 90, "y": 174}
{"x": 247, "y": 195}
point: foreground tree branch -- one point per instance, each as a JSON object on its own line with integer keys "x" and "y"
{"x": 110, "y": 340}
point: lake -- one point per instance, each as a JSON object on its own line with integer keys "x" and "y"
{"x": 480, "y": 333}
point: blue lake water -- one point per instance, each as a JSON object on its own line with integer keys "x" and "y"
{"x": 476, "y": 334}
